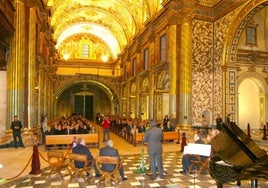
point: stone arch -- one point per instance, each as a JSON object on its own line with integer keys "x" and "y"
{"x": 261, "y": 95}
{"x": 66, "y": 83}
{"x": 241, "y": 21}
{"x": 231, "y": 69}
{"x": 258, "y": 77}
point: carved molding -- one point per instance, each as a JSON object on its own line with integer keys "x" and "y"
{"x": 60, "y": 82}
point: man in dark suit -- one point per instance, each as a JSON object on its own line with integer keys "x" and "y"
{"x": 82, "y": 149}
{"x": 108, "y": 150}
{"x": 16, "y": 127}
{"x": 153, "y": 137}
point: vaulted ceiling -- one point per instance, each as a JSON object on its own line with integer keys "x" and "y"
{"x": 110, "y": 23}
{"x": 107, "y": 26}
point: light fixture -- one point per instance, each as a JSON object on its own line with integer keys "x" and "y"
{"x": 66, "y": 56}
{"x": 104, "y": 58}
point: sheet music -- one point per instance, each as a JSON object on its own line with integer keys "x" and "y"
{"x": 197, "y": 149}
{"x": 223, "y": 163}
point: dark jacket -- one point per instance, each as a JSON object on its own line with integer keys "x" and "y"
{"x": 108, "y": 151}
{"x": 81, "y": 149}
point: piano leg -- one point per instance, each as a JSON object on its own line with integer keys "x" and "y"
{"x": 254, "y": 183}
{"x": 219, "y": 184}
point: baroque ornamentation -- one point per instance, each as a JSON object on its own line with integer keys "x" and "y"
{"x": 207, "y": 66}
{"x": 60, "y": 82}
{"x": 202, "y": 68}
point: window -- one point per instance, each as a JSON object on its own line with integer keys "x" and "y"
{"x": 85, "y": 51}
{"x": 146, "y": 59}
{"x": 251, "y": 35}
{"x": 134, "y": 67}
{"x": 163, "y": 48}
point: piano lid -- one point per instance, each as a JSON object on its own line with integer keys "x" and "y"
{"x": 234, "y": 147}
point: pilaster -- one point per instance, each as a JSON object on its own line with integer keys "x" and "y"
{"x": 185, "y": 90}
{"x": 16, "y": 67}
{"x": 173, "y": 46}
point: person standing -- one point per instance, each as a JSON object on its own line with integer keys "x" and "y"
{"x": 106, "y": 123}
{"x": 218, "y": 122}
{"x": 165, "y": 120}
{"x": 16, "y": 127}
{"x": 228, "y": 120}
{"x": 153, "y": 137}
{"x": 109, "y": 150}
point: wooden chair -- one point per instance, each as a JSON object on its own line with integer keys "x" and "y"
{"x": 195, "y": 153}
{"x": 199, "y": 164}
{"x": 112, "y": 176}
{"x": 79, "y": 172}
{"x": 57, "y": 162}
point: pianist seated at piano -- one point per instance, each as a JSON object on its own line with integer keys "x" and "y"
{"x": 186, "y": 159}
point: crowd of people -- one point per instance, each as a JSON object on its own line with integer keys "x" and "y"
{"x": 126, "y": 127}
{"x": 74, "y": 124}
{"x": 153, "y": 135}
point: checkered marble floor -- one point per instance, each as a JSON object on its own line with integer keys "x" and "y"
{"x": 172, "y": 177}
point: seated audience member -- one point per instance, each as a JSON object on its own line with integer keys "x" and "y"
{"x": 82, "y": 149}
{"x": 186, "y": 159}
{"x": 168, "y": 128}
{"x": 77, "y": 129}
{"x": 58, "y": 130}
{"x": 68, "y": 130}
{"x": 49, "y": 132}
{"x": 141, "y": 127}
{"x": 108, "y": 150}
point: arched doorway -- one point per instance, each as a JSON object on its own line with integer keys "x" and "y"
{"x": 86, "y": 98}
{"x": 246, "y": 72}
{"x": 251, "y": 103}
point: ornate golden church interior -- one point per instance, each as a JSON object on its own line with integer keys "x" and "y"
{"x": 136, "y": 59}
{"x": 139, "y": 59}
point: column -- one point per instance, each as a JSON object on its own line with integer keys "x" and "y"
{"x": 152, "y": 104}
{"x": 185, "y": 90}
{"x": 16, "y": 67}
{"x": 33, "y": 94}
{"x": 173, "y": 59}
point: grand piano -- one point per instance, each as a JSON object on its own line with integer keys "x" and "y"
{"x": 236, "y": 157}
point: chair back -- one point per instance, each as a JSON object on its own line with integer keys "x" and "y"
{"x": 107, "y": 160}
{"x": 111, "y": 172}
{"x": 56, "y": 162}
{"x": 78, "y": 158}
{"x": 55, "y": 157}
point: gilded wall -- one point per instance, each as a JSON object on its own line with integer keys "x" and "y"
{"x": 208, "y": 46}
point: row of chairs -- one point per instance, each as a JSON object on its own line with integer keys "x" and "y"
{"x": 59, "y": 162}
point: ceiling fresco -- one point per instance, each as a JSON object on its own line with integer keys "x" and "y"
{"x": 113, "y": 23}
